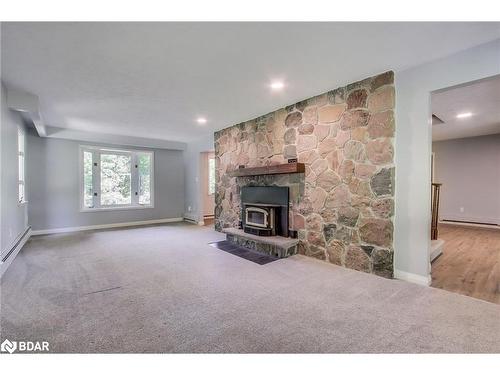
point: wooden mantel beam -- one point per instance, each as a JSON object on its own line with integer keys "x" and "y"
{"x": 269, "y": 170}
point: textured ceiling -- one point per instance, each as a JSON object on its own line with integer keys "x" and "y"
{"x": 153, "y": 79}
{"x": 482, "y": 99}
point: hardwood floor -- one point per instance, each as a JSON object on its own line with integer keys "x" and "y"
{"x": 209, "y": 221}
{"x": 470, "y": 263}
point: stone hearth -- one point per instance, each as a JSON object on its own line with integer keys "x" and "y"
{"x": 277, "y": 246}
{"x": 343, "y": 205}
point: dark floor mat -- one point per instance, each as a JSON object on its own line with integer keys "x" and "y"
{"x": 242, "y": 252}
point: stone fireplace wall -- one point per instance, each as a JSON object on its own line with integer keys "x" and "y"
{"x": 343, "y": 205}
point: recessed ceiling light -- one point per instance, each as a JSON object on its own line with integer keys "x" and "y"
{"x": 277, "y": 85}
{"x": 464, "y": 115}
{"x": 201, "y": 120}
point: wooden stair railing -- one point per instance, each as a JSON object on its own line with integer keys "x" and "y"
{"x": 435, "y": 210}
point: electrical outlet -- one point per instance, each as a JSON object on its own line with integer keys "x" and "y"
{"x": 189, "y": 208}
{"x": 462, "y": 209}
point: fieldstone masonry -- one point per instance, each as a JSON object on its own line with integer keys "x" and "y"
{"x": 343, "y": 205}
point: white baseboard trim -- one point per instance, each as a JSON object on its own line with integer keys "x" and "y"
{"x": 412, "y": 277}
{"x": 191, "y": 217}
{"x": 194, "y": 221}
{"x": 463, "y": 224}
{"x": 4, "y": 264}
{"x": 105, "y": 226}
{"x": 488, "y": 220}
{"x": 436, "y": 249}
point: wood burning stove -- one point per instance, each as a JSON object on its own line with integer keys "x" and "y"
{"x": 265, "y": 210}
{"x": 260, "y": 219}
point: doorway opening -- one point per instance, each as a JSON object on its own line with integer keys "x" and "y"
{"x": 465, "y": 172}
{"x": 207, "y": 186}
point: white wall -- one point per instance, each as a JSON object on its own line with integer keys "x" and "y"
{"x": 194, "y": 209}
{"x": 13, "y": 216}
{"x": 413, "y": 149}
{"x": 52, "y": 168}
{"x": 469, "y": 169}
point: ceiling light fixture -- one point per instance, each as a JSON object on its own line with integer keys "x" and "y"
{"x": 464, "y": 115}
{"x": 201, "y": 120}
{"x": 277, "y": 85}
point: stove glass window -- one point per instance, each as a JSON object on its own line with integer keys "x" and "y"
{"x": 256, "y": 217}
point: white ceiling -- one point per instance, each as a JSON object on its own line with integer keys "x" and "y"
{"x": 481, "y": 98}
{"x": 153, "y": 79}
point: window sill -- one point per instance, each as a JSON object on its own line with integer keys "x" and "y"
{"x": 126, "y": 208}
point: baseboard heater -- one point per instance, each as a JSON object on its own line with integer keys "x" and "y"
{"x": 468, "y": 222}
{"x": 16, "y": 244}
{"x": 189, "y": 220}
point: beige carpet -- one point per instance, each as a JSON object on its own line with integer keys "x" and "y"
{"x": 163, "y": 289}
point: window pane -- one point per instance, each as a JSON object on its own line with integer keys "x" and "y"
{"x": 20, "y": 165}
{"x": 211, "y": 176}
{"x": 87, "y": 179}
{"x": 20, "y": 141}
{"x": 144, "y": 161}
{"x": 21, "y": 192}
{"x": 115, "y": 179}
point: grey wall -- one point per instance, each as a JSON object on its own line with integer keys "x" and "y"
{"x": 13, "y": 216}
{"x": 194, "y": 189}
{"x": 53, "y": 188}
{"x": 469, "y": 170}
{"x": 413, "y": 149}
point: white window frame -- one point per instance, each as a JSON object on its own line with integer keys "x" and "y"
{"x": 96, "y": 179}
{"x": 21, "y": 180}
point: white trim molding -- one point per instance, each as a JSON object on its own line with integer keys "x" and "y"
{"x": 412, "y": 278}
{"x": 12, "y": 253}
{"x": 436, "y": 249}
{"x": 193, "y": 219}
{"x": 483, "y": 220}
{"x": 105, "y": 226}
{"x": 466, "y": 224}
